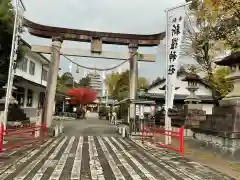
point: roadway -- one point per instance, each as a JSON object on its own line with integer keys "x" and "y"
{"x": 91, "y": 149}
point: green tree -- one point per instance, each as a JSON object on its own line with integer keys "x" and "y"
{"x": 204, "y": 40}
{"x": 143, "y": 83}
{"x": 220, "y": 18}
{"x": 60, "y": 84}
{"x": 121, "y": 90}
{"x": 220, "y": 84}
{"x": 6, "y": 32}
{"x": 84, "y": 82}
{"x": 111, "y": 81}
{"x": 118, "y": 84}
{"x": 228, "y": 28}
{"x": 65, "y": 82}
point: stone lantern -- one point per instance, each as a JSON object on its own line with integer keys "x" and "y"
{"x": 233, "y": 62}
{"x": 230, "y": 105}
{"x": 12, "y": 100}
{"x": 141, "y": 93}
{"x": 193, "y": 109}
{"x": 192, "y": 87}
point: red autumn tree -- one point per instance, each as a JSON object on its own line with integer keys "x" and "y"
{"x": 82, "y": 96}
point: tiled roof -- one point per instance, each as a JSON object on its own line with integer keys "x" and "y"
{"x": 177, "y": 96}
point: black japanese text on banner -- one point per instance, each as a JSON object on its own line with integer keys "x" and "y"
{"x": 173, "y": 42}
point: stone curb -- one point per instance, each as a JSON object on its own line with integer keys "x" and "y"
{"x": 152, "y": 146}
{"x": 55, "y": 130}
{"x": 123, "y": 130}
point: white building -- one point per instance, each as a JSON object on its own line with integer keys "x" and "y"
{"x": 157, "y": 92}
{"x": 96, "y": 82}
{"x": 31, "y": 80}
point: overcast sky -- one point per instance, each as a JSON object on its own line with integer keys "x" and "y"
{"x": 122, "y": 16}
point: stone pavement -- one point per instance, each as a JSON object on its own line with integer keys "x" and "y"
{"x": 103, "y": 157}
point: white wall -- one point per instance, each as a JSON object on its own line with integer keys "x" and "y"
{"x": 207, "y": 108}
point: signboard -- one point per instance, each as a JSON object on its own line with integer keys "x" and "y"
{"x": 147, "y": 109}
{"x": 141, "y": 112}
{"x": 137, "y": 110}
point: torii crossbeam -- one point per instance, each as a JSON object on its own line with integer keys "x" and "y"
{"x": 86, "y": 53}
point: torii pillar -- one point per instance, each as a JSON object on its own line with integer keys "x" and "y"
{"x": 133, "y": 82}
{"x": 52, "y": 80}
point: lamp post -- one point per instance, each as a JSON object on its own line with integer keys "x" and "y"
{"x": 19, "y": 10}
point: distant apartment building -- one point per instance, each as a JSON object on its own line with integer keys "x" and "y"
{"x": 96, "y": 82}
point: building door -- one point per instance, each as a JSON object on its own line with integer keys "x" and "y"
{"x": 41, "y": 99}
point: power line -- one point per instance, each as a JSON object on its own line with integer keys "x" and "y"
{"x": 98, "y": 69}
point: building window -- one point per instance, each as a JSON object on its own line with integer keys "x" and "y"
{"x": 29, "y": 98}
{"x": 22, "y": 64}
{"x": 44, "y": 74}
{"x": 19, "y": 95}
{"x": 32, "y": 68}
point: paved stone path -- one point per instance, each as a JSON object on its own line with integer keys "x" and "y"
{"x": 103, "y": 158}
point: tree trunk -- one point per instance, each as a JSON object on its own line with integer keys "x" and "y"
{"x": 214, "y": 93}
{"x": 78, "y": 111}
{"x": 215, "y": 98}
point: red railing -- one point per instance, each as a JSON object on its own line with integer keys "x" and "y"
{"x": 27, "y": 135}
{"x": 149, "y": 132}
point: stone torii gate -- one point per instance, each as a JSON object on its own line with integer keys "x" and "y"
{"x": 58, "y": 35}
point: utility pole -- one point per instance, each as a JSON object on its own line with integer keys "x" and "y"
{"x": 19, "y": 10}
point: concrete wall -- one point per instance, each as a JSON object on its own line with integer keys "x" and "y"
{"x": 226, "y": 146}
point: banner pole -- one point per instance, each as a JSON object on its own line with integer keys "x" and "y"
{"x": 166, "y": 89}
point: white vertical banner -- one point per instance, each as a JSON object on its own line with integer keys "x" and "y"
{"x": 103, "y": 75}
{"x": 137, "y": 109}
{"x": 70, "y": 67}
{"x": 174, "y": 37}
{"x": 85, "y": 73}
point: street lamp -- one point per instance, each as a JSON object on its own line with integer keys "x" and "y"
{"x": 19, "y": 10}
